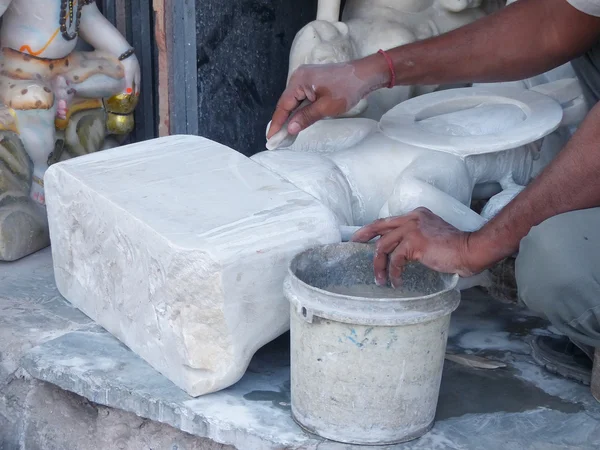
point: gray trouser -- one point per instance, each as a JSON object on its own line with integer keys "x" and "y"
{"x": 558, "y": 267}
{"x": 558, "y": 273}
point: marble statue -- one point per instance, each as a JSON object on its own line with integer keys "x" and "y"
{"x": 430, "y": 151}
{"x": 342, "y": 148}
{"x": 367, "y": 26}
{"x": 55, "y": 103}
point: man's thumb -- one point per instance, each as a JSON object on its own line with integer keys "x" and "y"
{"x": 305, "y": 117}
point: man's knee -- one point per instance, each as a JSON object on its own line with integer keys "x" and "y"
{"x": 557, "y": 273}
{"x": 541, "y": 268}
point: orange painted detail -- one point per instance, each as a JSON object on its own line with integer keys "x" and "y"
{"x": 129, "y": 90}
{"x": 27, "y": 48}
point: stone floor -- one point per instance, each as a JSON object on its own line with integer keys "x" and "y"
{"x": 67, "y": 384}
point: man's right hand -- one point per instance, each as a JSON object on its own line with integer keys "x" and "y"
{"x": 331, "y": 89}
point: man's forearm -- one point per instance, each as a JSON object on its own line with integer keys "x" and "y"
{"x": 522, "y": 40}
{"x": 571, "y": 182}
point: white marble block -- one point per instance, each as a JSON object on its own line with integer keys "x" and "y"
{"x": 179, "y": 246}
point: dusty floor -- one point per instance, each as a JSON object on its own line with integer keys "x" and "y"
{"x": 66, "y": 384}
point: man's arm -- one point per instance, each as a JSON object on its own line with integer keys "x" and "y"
{"x": 570, "y": 182}
{"x": 524, "y": 39}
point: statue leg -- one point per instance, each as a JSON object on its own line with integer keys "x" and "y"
{"x": 37, "y": 133}
{"x": 439, "y": 182}
{"x": 510, "y": 190}
{"x": 23, "y": 224}
{"x": 94, "y": 75}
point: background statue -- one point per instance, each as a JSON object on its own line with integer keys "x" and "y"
{"x": 55, "y": 103}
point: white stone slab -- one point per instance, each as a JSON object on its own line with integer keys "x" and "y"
{"x": 179, "y": 247}
{"x": 474, "y": 120}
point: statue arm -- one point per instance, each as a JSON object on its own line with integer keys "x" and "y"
{"x": 96, "y": 30}
{"x": 4, "y": 4}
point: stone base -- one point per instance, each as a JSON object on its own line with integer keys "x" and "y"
{"x": 42, "y": 416}
{"x": 178, "y": 247}
{"x": 121, "y": 401}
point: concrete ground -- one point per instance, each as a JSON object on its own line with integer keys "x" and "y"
{"x": 67, "y": 384}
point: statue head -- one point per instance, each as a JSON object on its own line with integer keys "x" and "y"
{"x": 321, "y": 42}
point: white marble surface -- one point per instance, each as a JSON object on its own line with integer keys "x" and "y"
{"x": 471, "y": 121}
{"x": 178, "y": 247}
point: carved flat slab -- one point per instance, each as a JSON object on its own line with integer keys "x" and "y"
{"x": 474, "y": 120}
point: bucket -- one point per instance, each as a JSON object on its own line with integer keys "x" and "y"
{"x": 366, "y": 361}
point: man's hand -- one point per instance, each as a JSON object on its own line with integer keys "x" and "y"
{"x": 419, "y": 236}
{"x": 332, "y": 89}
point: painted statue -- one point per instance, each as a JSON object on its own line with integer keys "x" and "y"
{"x": 368, "y": 26}
{"x": 56, "y": 102}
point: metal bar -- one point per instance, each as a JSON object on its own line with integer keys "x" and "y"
{"x": 191, "y": 67}
{"x": 141, "y": 35}
{"x": 183, "y": 86}
{"x": 162, "y": 66}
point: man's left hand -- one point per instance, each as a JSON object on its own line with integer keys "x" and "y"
{"x": 419, "y": 236}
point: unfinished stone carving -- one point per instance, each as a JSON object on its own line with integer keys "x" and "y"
{"x": 367, "y": 26}
{"x": 55, "y": 103}
{"x": 432, "y": 151}
{"x": 179, "y": 247}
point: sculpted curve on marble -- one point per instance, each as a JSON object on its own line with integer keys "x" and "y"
{"x": 56, "y": 102}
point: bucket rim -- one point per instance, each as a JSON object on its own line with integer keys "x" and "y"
{"x": 452, "y": 282}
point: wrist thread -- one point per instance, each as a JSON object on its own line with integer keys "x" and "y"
{"x": 390, "y": 64}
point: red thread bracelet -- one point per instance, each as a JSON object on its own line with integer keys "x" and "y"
{"x": 391, "y": 67}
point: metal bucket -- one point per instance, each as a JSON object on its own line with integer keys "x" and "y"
{"x": 366, "y": 368}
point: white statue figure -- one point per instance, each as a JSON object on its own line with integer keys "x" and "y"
{"x": 432, "y": 151}
{"x": 407, "y": 176}
{"x": 55, "y": 102}
{"x": 368, "y": 26}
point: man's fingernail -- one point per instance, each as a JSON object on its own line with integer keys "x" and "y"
{"x": 294, "y": 128}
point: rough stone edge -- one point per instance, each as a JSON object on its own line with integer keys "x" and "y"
{"x": 121, "y": 399}
{"x": 32, "y": 419}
